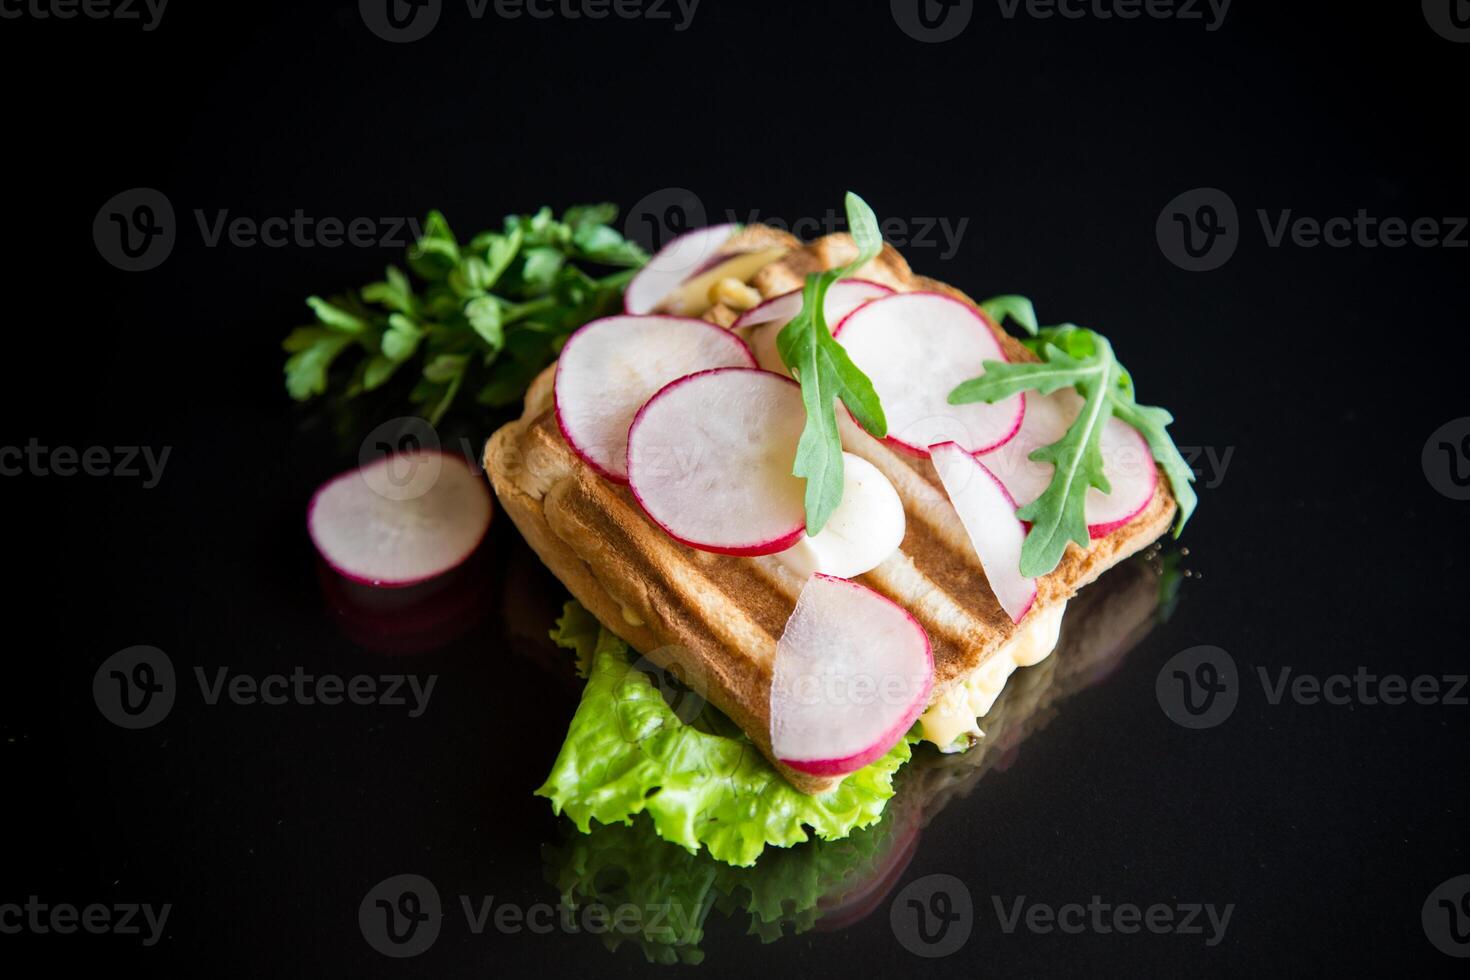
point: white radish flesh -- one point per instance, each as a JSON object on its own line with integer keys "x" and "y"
{"x": 1127, "y": 462}
{"x": 853, "y": 671}
{"x": 710, "y": 457}
{"x": 989, "y": 516}
{"x": 681, "y": 258}
{"x": 763, "y": 323}
{"x": 916, "y": 347}
{"x": 400, "y": 520}
{"x": 611, "y": 367}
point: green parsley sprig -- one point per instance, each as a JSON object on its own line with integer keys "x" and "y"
{"x": 826, "y": 374}
{"x": 1075, "y": 357}
{"x": 487, "y": 315}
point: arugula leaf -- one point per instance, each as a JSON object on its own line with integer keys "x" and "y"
{"x": 826, "y": 374}
{"x": 490, "y": 313}
{"x": 1018, "y": 308}
{"x": 1075, "y": 357}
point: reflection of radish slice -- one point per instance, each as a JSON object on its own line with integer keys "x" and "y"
{"x": 710, "y": 457}
{"x": 852, "y": 672}
{"x": 916, "y": 347}
{"x": 1127, "y": 462}
{"x": 677, "y": 261}
{"x": 767, "y": 319}
{"x": 400, "y": 520}
{"x": 610, "y": 367}
{"x": 988, "y": 513}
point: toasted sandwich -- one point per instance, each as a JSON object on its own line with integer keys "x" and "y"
{"x": 720, "y": 617}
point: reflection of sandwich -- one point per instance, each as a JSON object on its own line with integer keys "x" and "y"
{"x": 829, "y": 885}
{"x": 719, "y": 615}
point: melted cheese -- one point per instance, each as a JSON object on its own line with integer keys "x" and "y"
{"x": 958, "y": 710}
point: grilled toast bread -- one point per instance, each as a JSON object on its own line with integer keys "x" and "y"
{"x": 714, "y": 619}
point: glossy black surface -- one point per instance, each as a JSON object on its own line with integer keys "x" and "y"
{"x": 1323, "y": 546}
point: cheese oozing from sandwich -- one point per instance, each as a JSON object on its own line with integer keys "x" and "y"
{"x": 956, "y": 713}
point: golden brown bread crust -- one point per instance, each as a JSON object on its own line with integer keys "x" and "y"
{"x": 717, "y": 618}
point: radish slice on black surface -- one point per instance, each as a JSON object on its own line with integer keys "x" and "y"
{"x": 766, "y": 320}
{"x": 916, "y": 347}
{"x": 681, "y": 258}
{"x": 400, "y": 520}
{"x": 611, "y": 367}
{"x": 853, "y": 671}
{"x": 710, "y": 457}
{"x": 1127, "y": 462}
{"x": 988, "y": 513}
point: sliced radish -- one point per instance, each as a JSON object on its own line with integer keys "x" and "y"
{"x": 1127, "y": 462}
{"x": 610, "y": 367}
{"x": 766, "y": 320}
{"x": 400, "y": 520}
{"x": 988, "y": 513}
{"x": 916, "y": 347}
{"x": 679, "y": 266}
{"x": 710, "y": 457}
{"x": 853, "y": 671}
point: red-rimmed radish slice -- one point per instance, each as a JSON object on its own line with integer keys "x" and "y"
{"x": 853, "y": 671}
{"x": 843, "y": 296}
{"x": 672, "y": 264}
{"x": 611, "y": 367}
{"x": 1127, "y": 462}
{"x": 766, "y": 320}
{"x": 710, "y": 457}
{"x": 916, "y": 347}
{"x": 988, "y": 513}
{"x": 400, "y": 520}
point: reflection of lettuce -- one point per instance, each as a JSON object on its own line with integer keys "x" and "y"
{"x": 673, "y": 890}
{"x": 627, "y": 752}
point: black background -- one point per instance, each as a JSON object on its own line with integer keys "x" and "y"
{"x": 1323, "y": 547}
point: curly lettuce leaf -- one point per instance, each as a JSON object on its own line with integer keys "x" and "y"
{"x": 627, "y": 752}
